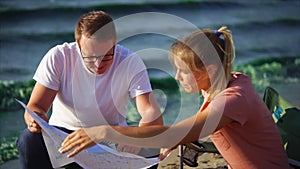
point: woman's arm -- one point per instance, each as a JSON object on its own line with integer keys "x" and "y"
{"x": 155, "y": 136}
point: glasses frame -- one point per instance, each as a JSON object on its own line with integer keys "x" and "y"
{"x": 102, "y": 57}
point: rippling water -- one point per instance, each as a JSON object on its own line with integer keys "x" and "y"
{"x": 30, "y": 28}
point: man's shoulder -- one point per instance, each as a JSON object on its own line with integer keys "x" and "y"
{"x": 64, "y": 49}
{"x": 121, "y": 50}
{"x": 66, "y": 46}
{"x": 123, "y": 53}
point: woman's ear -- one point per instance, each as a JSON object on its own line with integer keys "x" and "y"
{"x": 211, "y": 70}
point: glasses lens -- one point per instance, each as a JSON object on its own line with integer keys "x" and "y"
{"x": 107, "y": 57}
{"x": 90, "y": 59}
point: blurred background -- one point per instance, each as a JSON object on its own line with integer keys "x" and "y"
{"x": 28, "y": 29}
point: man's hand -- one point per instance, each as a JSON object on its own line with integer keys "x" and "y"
{"x": 79, "y": 139}
{"x": 128, "y": 149}
{"x": 31, "y": 123}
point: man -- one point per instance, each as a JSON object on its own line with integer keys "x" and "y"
{"x": 89, "y": 82}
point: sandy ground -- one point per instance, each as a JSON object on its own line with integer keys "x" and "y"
{"x": 205, "y": 161}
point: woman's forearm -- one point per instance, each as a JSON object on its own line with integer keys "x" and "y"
{"x": 154, "y": 136}
{"x": 142, "y": 136}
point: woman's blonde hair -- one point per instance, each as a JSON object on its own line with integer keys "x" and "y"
{"x": 207, "y": 47}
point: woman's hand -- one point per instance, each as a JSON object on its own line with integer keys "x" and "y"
{"x": 128, "y": 149}
{"x": 165, "y": 152}
{"x": 80, "y": 139}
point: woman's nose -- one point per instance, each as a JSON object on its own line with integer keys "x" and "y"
{"x": 177, "y": 75}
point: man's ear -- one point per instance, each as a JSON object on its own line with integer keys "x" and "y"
{"x": 77, "y": 41}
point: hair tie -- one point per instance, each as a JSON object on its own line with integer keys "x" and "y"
{"x": 218, "y": 33}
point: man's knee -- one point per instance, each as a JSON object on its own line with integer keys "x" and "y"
{"x": 32, "y": 150}
{"x": 28, "y": 140}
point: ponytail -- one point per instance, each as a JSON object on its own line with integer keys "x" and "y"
{"x": 229, "y": 51}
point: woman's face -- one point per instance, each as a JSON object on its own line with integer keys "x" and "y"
{"x": 191, "y": 81}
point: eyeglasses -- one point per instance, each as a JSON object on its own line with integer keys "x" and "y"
{"x": 103, "y": 58}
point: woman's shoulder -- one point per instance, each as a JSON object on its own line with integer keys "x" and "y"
{"x": 240, "y": 80}
{"x": 240, "y": 86}
{"x": 239, "y": 75}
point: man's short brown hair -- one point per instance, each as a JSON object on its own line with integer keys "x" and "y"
{"x": 97, "y": 24}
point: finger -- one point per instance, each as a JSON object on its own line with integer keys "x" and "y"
{"x": 161, "y": 157}
{"x": 137, "y": 150}
{"x": 35, "y": 130}
{"x": 123, "y": 148}
{"x": 34, "y": 127}
{"x": 31, "y": 123}
{"x": 80, "y": 144}
{"x": 69, "y": 146}
{"x": 66, "y": 141}
{"x": 70, "y": 142}
{"x": 76, "y": 151}
{"x": 128, "y": 149}
{"x": 164, "y": 154}
{"x": 120, "y": 147}
{"x": 68, "y": 138}
{"x": 133, "y": 150}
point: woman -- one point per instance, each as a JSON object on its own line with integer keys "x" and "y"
{"x": 232, "y": 114}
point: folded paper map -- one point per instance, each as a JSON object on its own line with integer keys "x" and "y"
{"x": 97, "y": 157}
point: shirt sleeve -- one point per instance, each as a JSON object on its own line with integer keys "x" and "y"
{"x": 231, "y": 104}
{"x": 140, "y": 84}
{"x": 131, "y": 76}
{"x": 49, "y": 70}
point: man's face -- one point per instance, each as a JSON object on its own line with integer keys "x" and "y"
{"x": 97, "y": 55}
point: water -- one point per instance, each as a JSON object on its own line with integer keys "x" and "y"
{"x": 30, "y": 28}
{"x": 11, "y": 123}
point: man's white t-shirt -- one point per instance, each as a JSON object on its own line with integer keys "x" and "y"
{"x": 85, "y": 99}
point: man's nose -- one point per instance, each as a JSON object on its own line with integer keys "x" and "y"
{"x": 98, "y": 61}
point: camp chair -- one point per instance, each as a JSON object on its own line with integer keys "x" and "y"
{"x": 287, "y": 119}
{"x": 189, "y": 153}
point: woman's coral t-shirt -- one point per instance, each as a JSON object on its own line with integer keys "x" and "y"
{"x": 252, "y": 140}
